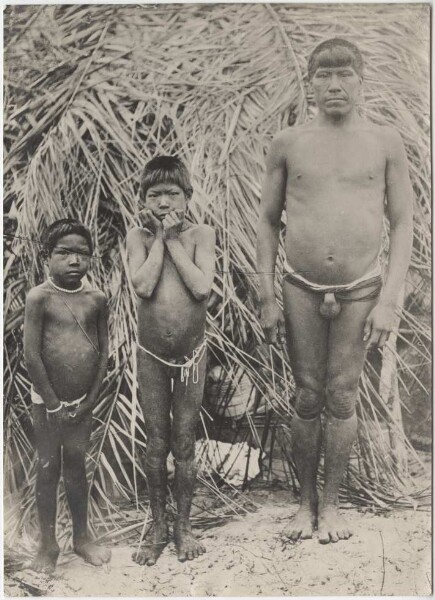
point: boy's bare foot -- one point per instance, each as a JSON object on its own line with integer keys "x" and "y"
{"x": 93, "y": 554}
{"x": 155, "y": 541}
{"x": 303, "y": 524}
{"x": 332, "y": 526}
{"x": 46, "y": 559}
{"x": 186, "y": 544}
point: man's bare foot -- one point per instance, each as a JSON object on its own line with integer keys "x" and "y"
{"x": 91, "y": 553}
{"x": 303, "y": 524}
{"x": 155, "y": 541}
{"x": 45, "y": 560}
{"x": 332, "y": 526}
{"x": 186, "y": 544}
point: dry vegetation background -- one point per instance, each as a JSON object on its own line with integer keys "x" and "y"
{"x": 90, "y": 94}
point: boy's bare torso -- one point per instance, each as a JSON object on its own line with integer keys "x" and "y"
{"x": 68, "y": 355}
{"x": 171, "y": 323}
{"x": 334, "y": 196}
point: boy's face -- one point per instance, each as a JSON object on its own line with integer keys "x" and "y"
{"x": 163, "y": 198}
{"x": 69, "y": 261}
{"x": 336, "y": 89}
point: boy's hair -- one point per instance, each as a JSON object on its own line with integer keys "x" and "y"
{"x": 59, "y": 229}
{"x": 336, "y": 53}
{"x": 165, "y": 169}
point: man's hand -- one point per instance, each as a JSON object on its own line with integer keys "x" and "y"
{"x": 150, "y": 221}
{"x": 172, "y": 225}
{"x": 273, "y": 324}
{"x": 378, "y": 325}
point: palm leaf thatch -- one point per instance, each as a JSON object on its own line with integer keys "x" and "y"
{"x": 91, "y": 93}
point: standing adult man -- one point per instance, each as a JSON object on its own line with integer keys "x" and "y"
{"x": 334, "y": 175}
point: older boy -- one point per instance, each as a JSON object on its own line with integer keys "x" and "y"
{"x": 171, "y": 267}
{"x": 65, "y": 347}
{"x": 334, "y": 175}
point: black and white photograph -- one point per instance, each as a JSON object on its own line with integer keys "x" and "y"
{"x": 217, "y": 300}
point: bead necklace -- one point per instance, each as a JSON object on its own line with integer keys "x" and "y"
{"x": 59, "y": 289}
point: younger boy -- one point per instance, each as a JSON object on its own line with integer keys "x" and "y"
{"x": 171, "y": 267}
{"x": 66, "y": 349}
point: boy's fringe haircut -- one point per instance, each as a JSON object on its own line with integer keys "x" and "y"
{"x": 165, "y": 169}
{"x": 351, "y": 57}
{"x": 59, "y": 229}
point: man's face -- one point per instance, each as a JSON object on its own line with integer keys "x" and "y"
{"x": 163, "y": 198}
{"x": 336, "y": 89}
{"x": 69, "y": 260}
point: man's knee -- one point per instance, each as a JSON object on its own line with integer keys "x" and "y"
{"x": 183, "y": 447}
{"x": 341, "y": 400}
{"x": 309, "y": 399}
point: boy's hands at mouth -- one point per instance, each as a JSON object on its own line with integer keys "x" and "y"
{"x": 172, "y": 224}
{"x": 150, "y": 221}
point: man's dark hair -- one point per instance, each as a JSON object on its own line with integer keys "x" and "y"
{"x": 59, "y": 229}
{"x": 165, "y": 169}
{"x": 335, "y": 52}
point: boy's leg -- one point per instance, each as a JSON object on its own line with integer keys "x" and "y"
{"x": 186, "y": 408}
{"x": 155, "y": 400}
{"x": 307, "y": 334}
{"x": 76, "y": 436}
{"x": 346, "y": 353}
{"x": 47, "y": 478}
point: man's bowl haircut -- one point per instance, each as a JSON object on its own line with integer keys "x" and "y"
{"x": 335, "y": 52}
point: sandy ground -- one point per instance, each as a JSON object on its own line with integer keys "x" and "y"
{"x": 388, "y": 555}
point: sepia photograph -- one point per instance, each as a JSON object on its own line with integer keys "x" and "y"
{"x": 217, "y": 299}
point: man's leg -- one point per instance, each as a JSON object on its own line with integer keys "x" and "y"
{"x": 307, "y": 333}
{"x": 76, "y": 438}
{"x": 346, "y": 353}
{"x": 186, "y": 411}
{"x": 155, "y": 400}
{"x": 47, "y": 479}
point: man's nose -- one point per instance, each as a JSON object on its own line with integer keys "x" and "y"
{"x": 334, "y": 83}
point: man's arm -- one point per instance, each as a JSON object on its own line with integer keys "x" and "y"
{"x": 198, "y": 275}
{"x": 399, "y": 211}
{"x": 33, "y": 324}
{"x": 271, "y": 207}
{"x": 144, "y": 268}
{"x": 103, "y": 345}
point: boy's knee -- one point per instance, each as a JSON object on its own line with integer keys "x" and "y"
{"x": 183, "y": 447}
{"x": 309, "y": 400}
{"x": 157, "y": 450}
{"x": 341, "y": 401}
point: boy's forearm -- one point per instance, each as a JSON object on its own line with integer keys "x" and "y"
{"x": 398, "y": 262}
{"x": 147, "y": 276}
{"x": 39, "y": 378}
{"x": 267, "y": 250}
{"x": 192, "y": 276}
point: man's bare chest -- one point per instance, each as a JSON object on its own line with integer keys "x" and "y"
{"x": 360, "y": 162}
